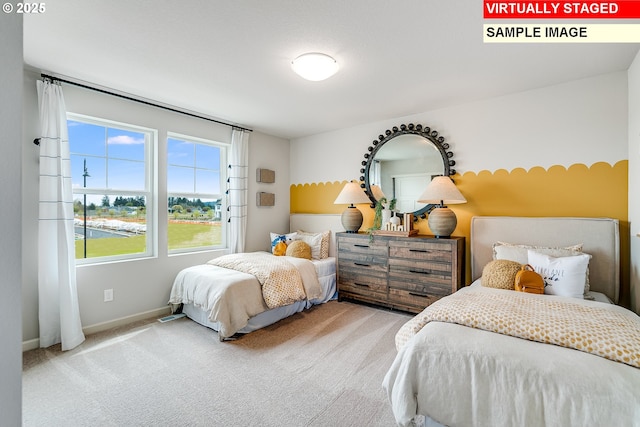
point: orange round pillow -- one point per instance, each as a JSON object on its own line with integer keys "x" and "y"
{"x": 280, "y": 249}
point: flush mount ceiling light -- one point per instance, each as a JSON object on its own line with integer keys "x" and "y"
{"x": 314, "y": 66}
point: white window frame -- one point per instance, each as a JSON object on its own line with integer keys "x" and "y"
{"x": 224, "y": 215}
{"x": 149, "y": 192}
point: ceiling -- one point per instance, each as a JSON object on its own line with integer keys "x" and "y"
{"x": 231, "y": 59}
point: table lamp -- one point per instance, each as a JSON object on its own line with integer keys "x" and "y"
{"x": 351, "y": 217}
{"x": 441, "y": 190}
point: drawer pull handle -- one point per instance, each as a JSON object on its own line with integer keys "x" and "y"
{"x": 361, "y": 246}
{"x": 359, "y": 264}
{"x": 361, "y": 284}
{"x": 419, "y": 272}
{"x": 413, "y": 294}
{"x": 419, "y": 250}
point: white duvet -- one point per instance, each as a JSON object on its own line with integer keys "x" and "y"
{"x": 231, "y": 297}
{"x": 460, "y": 376}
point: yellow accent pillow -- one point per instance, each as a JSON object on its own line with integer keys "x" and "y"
{"x": 500, "y": 273}
{"x": 280, "y": 249}
{"x": 299, "y": 249}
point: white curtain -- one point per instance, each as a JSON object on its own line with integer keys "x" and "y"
{"x": 238, "y": 182}
{"x": 59, "y": 314}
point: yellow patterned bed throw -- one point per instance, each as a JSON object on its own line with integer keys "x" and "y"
{"x": 281, "y": 282}
{"x": 605, "y": 330}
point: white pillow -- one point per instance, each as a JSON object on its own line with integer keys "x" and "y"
{"x": 313, "y": 240}
{"x": 519, "y": 253}
{"x": 324, "y": 247}
{"x": 563, "y": 276}
{"x": 278, "y": 237}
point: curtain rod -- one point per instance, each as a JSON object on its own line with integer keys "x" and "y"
{"x": 142, "y": 101}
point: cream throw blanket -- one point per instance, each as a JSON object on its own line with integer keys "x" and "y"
{"x": 596, "y": 329}
{"x": 280, "y": 280}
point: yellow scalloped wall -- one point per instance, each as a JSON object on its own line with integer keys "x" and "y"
{"x": 596, "y": 191}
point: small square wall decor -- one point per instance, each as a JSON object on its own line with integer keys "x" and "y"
{"x": 265, "y": 175}
{"x": 265, "y": 199}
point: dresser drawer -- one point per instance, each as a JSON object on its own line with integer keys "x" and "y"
{"x": 435, "y": 286}
{"x": 362, "y": 246}
{"x": 361, "y": 284}
{"x": 357, "y": 255}
{"x": 414, "y": 269}
{"x": 425, "y": 278}
{"x": 409, "y": 301}
{"x": 421, "y": 251}
{"x": 362, "y": 265}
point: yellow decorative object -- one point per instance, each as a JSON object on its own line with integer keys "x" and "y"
{"x": 527, "y": 280}
{"x": 500, "y": 274}
{"x": 299, "y": 249}
{"x": 280, "y": 249}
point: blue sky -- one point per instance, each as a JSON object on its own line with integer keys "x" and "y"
{"x": 192, "y": 167}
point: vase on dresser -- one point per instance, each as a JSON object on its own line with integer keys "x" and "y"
{"x": 386, "y": 216}
{"x": 395, "y": 220}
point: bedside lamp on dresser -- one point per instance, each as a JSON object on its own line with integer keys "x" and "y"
{"x": 441, "y": 190}
{"x": 351, "y": 194}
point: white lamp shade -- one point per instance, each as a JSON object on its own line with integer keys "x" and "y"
{"x": 314, "y": 66}
{"x": 352, "y": 194}
{"x": 442, "y": 190}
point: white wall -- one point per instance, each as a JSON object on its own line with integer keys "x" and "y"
{"x": 634, "y": 180}
{"x": 11, "y": 218}
{"x": 141, "y": 286}
{"x": 269, "y": 153}
{"x": 582, "y": 121}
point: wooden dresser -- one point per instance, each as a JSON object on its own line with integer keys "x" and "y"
{"x": 404, "y": 273}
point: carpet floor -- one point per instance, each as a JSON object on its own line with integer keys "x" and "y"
{"x": 321, "y": 367}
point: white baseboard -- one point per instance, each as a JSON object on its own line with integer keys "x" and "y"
{"x": 30, "y": 345}
{"x": 103, "y": 326}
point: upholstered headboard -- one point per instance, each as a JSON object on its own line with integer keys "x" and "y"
{"x": 600, "y": 237}
{"x": 318, "y": 223}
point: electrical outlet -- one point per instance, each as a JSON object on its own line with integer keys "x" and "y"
{"x": 108, "y": 295}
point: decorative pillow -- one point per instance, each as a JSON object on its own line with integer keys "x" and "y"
{"x": 299, "y": 249}
{"x": 284, "y": 238}
{"x": 519, "y": 253}
{"x": 324, "y": 245}
{"x": 314, "y": 240}
{"x": 280, "y": 249}
{"x": 563, "y": 276}
{"x": 500, "y": 273}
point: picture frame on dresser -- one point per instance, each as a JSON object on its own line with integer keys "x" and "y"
{"x": 405, "y": 273}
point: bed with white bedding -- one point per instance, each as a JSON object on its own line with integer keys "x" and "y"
{"x": 496, "y": 357}
{"x": 232, "y": 300}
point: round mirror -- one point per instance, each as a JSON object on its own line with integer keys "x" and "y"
{"x": 400, "y": 164}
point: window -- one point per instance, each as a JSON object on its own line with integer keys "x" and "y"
{"x": 112, "y": 171}
{"x": 195, "y": 178}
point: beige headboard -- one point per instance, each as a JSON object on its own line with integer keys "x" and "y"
{"x": 318, "y": 223}
{"x": 600, "y": 237}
